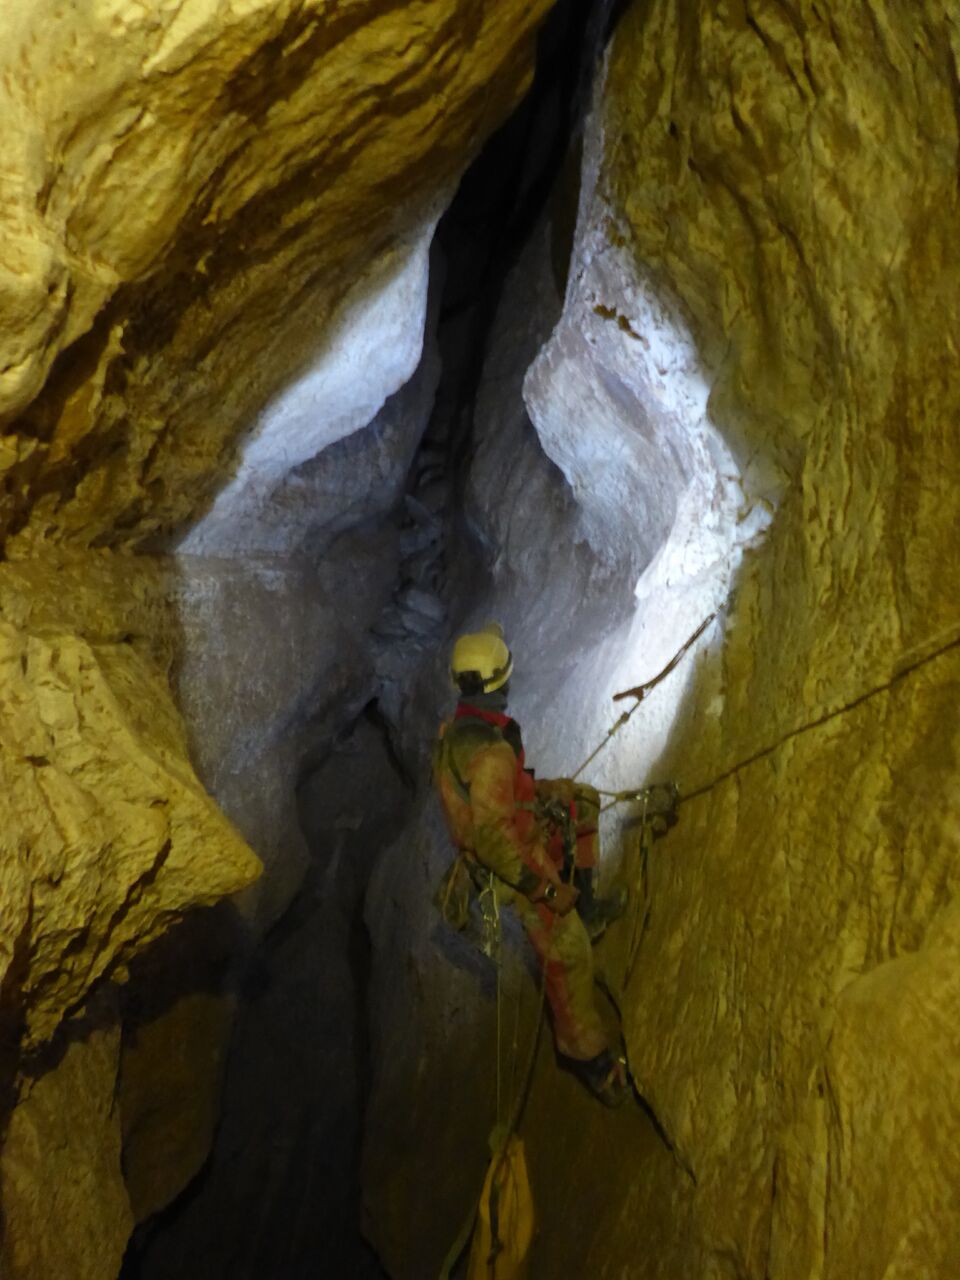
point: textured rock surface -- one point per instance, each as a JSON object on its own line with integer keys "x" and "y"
{"x": 372, "y": 350}
{"x": 287, "y": 1152}
{"x": 216, "y": 124}
{"x": 109, "y": 836}
{"x": 273, "y": 154}
{"x": 277, "y": 652}
{"x": 170, "y": 1081}
{"x": 66, "y": 1212}
{"x": 277, "y": 657}
{"x": 760, "y": 322}
{"x": 807, "y": 239}
{"x": 787, "y": 971}
{"x": 194, "y": 203}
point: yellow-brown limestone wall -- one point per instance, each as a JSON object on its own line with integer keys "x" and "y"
{"x": 789, "y": 174}
{"x": 188, "y": 190}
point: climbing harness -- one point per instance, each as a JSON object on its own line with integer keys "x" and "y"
{"x": 640, "y": 691}
{"x": 459, "y": 884}
{"x": 554, "y": 813}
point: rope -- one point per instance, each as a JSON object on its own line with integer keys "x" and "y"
{"x": 501, "y": 1132}
{"x": 635, "y": 793}
{"x": 615, "y": 729}
{"x": 499, "y": 1017}
{"x": 516, "y": 1038}
{"x": 900, "y": 672}
{"x": 520, "y": 1101}
{"x": 620, "y": 797}
{"x": 461, "y": 1242}
{"x": 640, "y": 691}
{"x": 643, "y": 852}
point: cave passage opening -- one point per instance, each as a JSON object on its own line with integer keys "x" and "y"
{"x": 547, "y": 457}
{"x": 290, "y": 1132}
{"x": 532, "y": 467}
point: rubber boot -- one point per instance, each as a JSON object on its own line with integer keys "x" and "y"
{"x": 606, "y": 1077}
{"x": 596, "y": 913}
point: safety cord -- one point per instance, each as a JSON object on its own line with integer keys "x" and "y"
{"x": 516, "y": 1040}
{"x": 900, "y": 672}
{"x": 499, "y": 964}
{"x": 641, "y": 691}
{"x": 520, "y": 1099}
{"x": 634, "y": 794}
{"x": 458, "y": 1246}
{"x": 946, "y": 639}
{"x": 501, "y": 1132}
{"x": 623, "y": 797}
{"x": 642, "y": 858}
{"x": 618, "y": 725}
{"x": 466, "y": 1231}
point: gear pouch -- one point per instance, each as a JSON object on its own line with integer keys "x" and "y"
{"x": 452, "y": 898}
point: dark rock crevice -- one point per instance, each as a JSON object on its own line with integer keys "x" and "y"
{"x": 280, "y": 1195}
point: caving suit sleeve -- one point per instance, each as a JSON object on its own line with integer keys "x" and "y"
{"x": 498, "y": 841}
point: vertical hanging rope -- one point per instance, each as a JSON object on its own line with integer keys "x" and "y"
{"x": 502, "y": 1131}
{"x": 499, "y": 963}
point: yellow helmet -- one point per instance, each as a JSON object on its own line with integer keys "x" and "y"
{"x": 481, "y": 661}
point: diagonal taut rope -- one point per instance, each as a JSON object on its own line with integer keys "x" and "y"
{"x": 640, "y": 691}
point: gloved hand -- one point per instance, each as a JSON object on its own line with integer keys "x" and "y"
{"x": 560, "y": 898}
{"x": 565, "y": 899}
{"x": 560, "y": 790}
{"x": 583, "y": 793}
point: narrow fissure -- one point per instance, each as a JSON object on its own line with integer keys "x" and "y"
{"x": 299, "y": 1074}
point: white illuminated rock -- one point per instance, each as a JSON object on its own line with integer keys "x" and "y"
{"x": 372, "y": 349}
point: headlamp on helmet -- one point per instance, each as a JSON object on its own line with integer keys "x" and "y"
{"x": 481, "y": 661}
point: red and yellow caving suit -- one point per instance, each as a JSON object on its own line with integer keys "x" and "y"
{"x": 489, "y": 798}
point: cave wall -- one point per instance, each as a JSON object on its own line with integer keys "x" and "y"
{"x": 200, "y": 207}
{"x": 273, "y": 155}
{"x": 790, "y": 178}
{"x": 197, "y": 202}
{"x": 778, "y": 188}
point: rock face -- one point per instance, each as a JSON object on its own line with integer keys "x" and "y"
{"x": 214, "y": 218}
{"x": 278, "y": 587}
{"x": 786, "y": 974}
{"x": 197, "y": 204}
{"x": 65, "y": 1207}
{"x": 273, "y": 154}
{"x": 111, "y": 836}
{"x": 288, "y": 1132}
{"x": 803, "y": 921}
